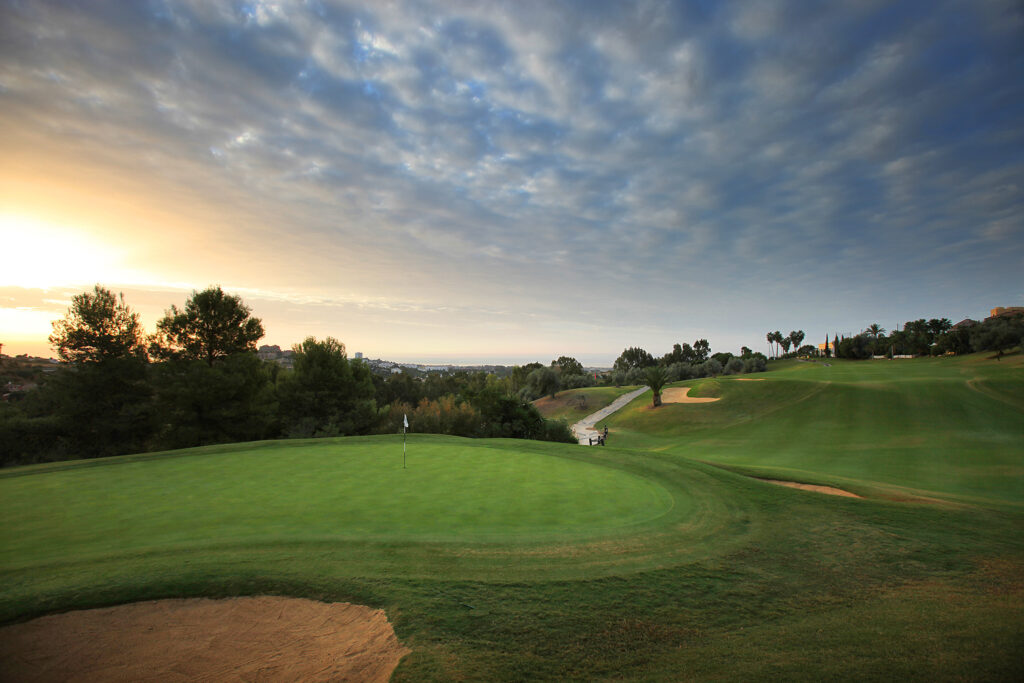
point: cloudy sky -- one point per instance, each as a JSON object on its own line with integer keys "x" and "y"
{"x": 487, "y": 181}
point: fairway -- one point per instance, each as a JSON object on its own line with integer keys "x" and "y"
{"x": 947, "y": 428}
{"x": 662, "y": 556}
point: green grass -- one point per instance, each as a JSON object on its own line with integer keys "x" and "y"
{"x": 949, "y": 428}
{"x": 646, "y": 559}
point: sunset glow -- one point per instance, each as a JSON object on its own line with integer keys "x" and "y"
{"x": 428, "y": 181}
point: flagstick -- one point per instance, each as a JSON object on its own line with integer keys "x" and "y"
{"x": 403, "y": 448}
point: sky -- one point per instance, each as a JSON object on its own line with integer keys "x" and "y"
{"x": 508, "y": 182}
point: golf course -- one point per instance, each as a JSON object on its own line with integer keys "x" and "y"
{"x": 665, "y": 555}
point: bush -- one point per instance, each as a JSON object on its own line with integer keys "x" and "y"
{"x": 734, "y": 366}
{"x": 711, "y": 368}
{"x": 27, "y": 440}
{"x": 557, "y": 430}
{"x": 756, "y": 363}
{"x": 446, "y": 415}
{"x": 997, "y": 334}
{"x": 577, "y": 381}
{"x": 636, "y": 376}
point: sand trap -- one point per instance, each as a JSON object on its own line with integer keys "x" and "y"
{"x": 682, "y": 395}
{"x": 832, "y": 491}
{"x": 750, "y": 379}
{"x": 241, "y": 639}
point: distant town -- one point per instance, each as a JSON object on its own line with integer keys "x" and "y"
{"x": 284, "y": 358}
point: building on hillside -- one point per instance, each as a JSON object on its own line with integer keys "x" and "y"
{"x": 1005, "y": 311}
{"x": 359, "y": 355}
{"x": 267, "y": 352}
{"x": 274, "y": 354}
{"x": 964, "y": 324}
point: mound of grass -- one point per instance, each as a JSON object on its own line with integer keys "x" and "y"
{"x": 575, "y": 404}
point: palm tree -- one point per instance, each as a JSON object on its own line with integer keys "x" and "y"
{"x": 770, "y": 337}
{"x": 777, "y": 338}
{"x": 656, "y": 380}
{"x": 874, "y": 330}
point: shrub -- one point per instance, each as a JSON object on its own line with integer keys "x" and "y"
{"x": 734, "y": 366}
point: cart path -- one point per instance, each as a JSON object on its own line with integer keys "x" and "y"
{"x": 585, "y": 430}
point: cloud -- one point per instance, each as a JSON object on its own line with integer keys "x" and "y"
{"x": 642, "y": 148}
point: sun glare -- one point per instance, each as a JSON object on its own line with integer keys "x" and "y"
{"x": 41, "y": 254}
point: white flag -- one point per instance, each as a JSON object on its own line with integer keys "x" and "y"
{"x": 405, "y": 420}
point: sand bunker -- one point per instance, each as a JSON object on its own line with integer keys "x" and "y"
{"x": 250, "y": 639}
{"x": 832, "y": 491}
{"x": 682, "y": 395}
{"x": 750, "y": 379}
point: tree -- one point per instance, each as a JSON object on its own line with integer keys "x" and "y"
{"x": 796, "y": 337}
{"x": 745, "y": 352}
{"x": 956, "y": 341}
{"x": 874, "y": 329}
{"x": 213, "y": 325}
{"x": 102, "y": 405}
{"x": 785, "y": 342}
{"x": 655, "y": 379}
{"x": 326, "y": 394}
{"x": 633, "y": 357}
{"x": 997, "y": 334}
{"x": 937, "y": 326}
{"x": 675, "y": 355}
{"x": 701, "y": 351}
{"x": 722, "y": 357}
{"x": 770, "y": 337}
{"x": 543, "y": 382}
{"x": 568, "y": 366}
{"x": 519, "y": 375}
{"x": 828, "y": 352}
{"x": 230, "y": 401}
{"x": 97, "y": 327}
{"x": 857, "y": 347}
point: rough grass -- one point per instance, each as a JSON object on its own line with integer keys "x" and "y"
{"x": 735, "y": 579}
{"x": 575, "y": 404}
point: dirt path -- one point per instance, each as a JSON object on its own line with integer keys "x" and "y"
{"x": 585, "y": 430}
{"x": 241, "y": 639}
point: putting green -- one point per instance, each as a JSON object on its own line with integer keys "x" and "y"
{"x": 459, "y": 502}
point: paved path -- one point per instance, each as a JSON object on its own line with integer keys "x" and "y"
{"x": 585, "y": 430}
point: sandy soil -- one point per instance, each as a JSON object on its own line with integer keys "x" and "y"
{"x": 750, "y": 379}
{"x": 242, "y": 639}
{"x": 832, "y": 491}
{"x": 682, "y": 395}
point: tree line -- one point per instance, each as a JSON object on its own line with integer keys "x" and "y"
{"x": 935, "y": 336}
{"x": 197, "y": 380}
